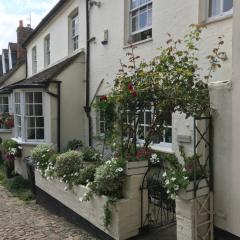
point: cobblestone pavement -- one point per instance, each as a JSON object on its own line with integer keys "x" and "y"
{"x": 28, "y": 221}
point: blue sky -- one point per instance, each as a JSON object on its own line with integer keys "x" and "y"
{"x": 11, "y": 11}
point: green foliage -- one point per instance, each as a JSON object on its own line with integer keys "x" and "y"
{"x": 86, "y": 175}
{"x": 41, "y": 155}
{"x": 12, "y": 149}
{"x": 68, "y": 166}
{"x": 18, "y": 186}
{"x": 74, "y": 144}
{"x": 109, "y": 178}
{"x": 91, "y": 155}
{"x": 107, "y": 210}
{"x": 168, "y": 83}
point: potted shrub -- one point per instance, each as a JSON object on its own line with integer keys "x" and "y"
{"x": 11, "y": 150}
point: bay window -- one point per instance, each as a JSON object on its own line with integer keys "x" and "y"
{"x": 217, "y": 8}
{"x": 29, "y": 116}
{"x": 140, "y": 20}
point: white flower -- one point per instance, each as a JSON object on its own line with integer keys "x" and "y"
{"x": 176, "y": 188}
{"x": 119, "y": 169}
{"x": 184, "y": 169}
{"x": 167, "y": 182}
{"x": 173, "y": 179}
{"x": 19, "y": 147}
{"x": 164, "y": 174}
{"x": 154, "y": 156}
{"x": 66, "y": 188}
{"x": 80, "y": 199}
{"x": 168, "y": 191}
{"x": 185, "y": 178}
{"x": 172, "y": 196}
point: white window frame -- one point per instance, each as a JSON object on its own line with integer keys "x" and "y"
{"x": 34, "y": 60}
{"x": 131, "y": 10}
{"x": 3, "y": 104}
{"x": 47, "y": 51}
{"x": 222, "y": 14}
{"x": 75, "y": 32}
{"x": 23, "y": 138}
{"x": 156, "y": 146}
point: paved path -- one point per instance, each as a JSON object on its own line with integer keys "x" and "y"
{"x": 28, "y": 221}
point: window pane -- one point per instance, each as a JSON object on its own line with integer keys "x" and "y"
{"x": 141, "y": 118}
{"x": 214, "y": 7}
{"x": 31, "y": 133}
{"x": 17, "y": 97}
{"x": 168, "y": 135}
{"x": 143, "y": 19}
{"x": 38, "y": 97}
{"x": 5, "y": 100}
{"x": 38, "y": 110}
{"x": 29, "y": 97}
{"x": 40, "y": 134}
{"x": 148, "y": 118}
{"x": 5, "y": 108}
{"x": 39, "y": 122}
{"x": 227, "y": 5}
{"x": 31, "y": 122}
{"x": 29, "y": 110}
{"x": 135, "y": 24}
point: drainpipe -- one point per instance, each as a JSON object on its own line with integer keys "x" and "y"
{"x": 87, "y": 108}
{"x": 58, "y": 96}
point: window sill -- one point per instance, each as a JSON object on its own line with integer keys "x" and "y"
{"x": 162, "y": 148}
{"x": 5, "y": 130}
{"x": 218, "y": 18}
{"x": 138, "y": 43}
{"x": 27, "y": 143}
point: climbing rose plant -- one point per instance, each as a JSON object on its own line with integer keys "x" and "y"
{"x": 170, "y": 82}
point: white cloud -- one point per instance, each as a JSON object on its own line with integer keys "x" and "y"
{"x": 9, "y": 20}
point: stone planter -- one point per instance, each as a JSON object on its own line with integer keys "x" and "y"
{"x": 126, "y": 214}
{"x": 188, "y": 193}
{"x": 137, "y": 167}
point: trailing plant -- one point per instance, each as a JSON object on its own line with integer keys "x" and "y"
{"x": 170, "y": 82}
{"x": 68, "y": 166}
{"x": 108, "y": 210}
{"x": 41, "y": 156}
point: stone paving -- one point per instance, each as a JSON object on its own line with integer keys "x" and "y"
{"x": 28, "y": 221}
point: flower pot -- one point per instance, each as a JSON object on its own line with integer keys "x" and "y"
{"x": 188, "y": 193}
{"x": 136, "y": 167}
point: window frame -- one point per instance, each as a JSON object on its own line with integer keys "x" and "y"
{"x": 23, "y": 116}
{"x": 222, "y": 14}
{"x": 9, "y": 110}
{"x": 157, "y": 146}
{"x": 34, "y": 60}
{"x": 47, "y": 51}
{"x": 139, "y": 30}
{"x": 74, "y": 32}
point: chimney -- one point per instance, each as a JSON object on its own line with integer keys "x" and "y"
{"x": 22, "y": 34}
{"x": 20, "y": 23}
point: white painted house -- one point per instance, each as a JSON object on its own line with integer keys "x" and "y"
{"x": 60, "y": 61}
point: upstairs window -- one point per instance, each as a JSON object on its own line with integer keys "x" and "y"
{"x": 140, "y": 20}
{"x": 47, "y": 53}
{"x": 75, "y": 32}
{"x": 219, "y": 8}
{"x": 34, "y": 60}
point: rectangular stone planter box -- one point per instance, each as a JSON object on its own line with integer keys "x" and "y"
{"x": 136, "y": 167}
{"x": 188, "y": 193}
{"x": 125, "y": 215}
